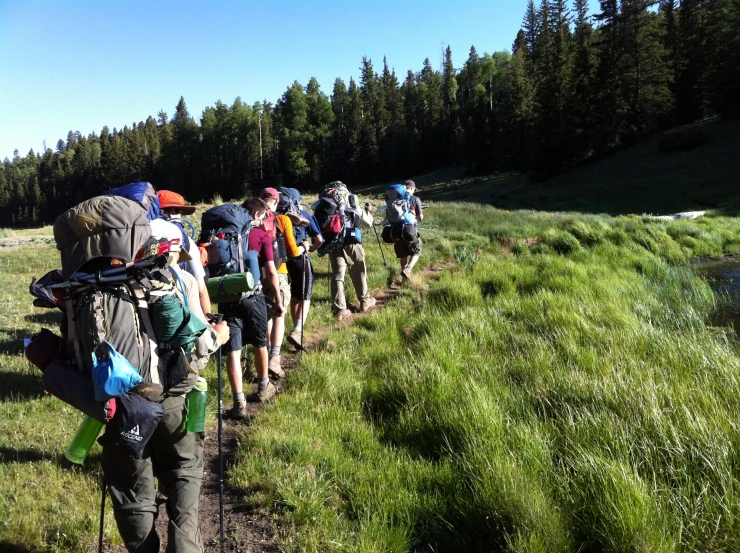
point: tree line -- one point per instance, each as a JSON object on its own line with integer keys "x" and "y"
{"x": 572, "y": 87}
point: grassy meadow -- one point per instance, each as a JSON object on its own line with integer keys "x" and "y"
{"x": 558, "y": 389}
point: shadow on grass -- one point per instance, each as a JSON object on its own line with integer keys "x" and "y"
{"x": 8, "y": 547}
{"x": 20, "y": 386}
{"x": 11, "y": 346}
{"x": 51, "y": 317}
{"x": 10, "y": 455}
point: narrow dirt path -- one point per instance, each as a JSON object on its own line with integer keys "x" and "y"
{"x": 246, "y": 529}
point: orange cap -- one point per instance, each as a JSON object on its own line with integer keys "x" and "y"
{"x": 167, "y": 199}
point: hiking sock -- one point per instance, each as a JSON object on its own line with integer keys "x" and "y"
{"x": 239, "y": 397}
{"x": 274, "y": 351}
{"x": 297, "y": 324}
{"x": 264, "y": 382}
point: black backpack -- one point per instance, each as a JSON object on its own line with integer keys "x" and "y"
{"x": 225, "y": 234}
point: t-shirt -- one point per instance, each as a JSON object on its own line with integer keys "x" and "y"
{"x": 415, "y": 206}
{"x": 261, "y": 242}
{"x": 301, "y": 233}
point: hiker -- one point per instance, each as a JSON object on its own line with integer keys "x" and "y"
{"x": 409, "y": 251}
{"x": 248, "y": 318}
{"x": 351, "y": 255}
{"x": 173, "y": 455}
{"x": 300, "y": 269}
{"x": 172, "y": 207}
{"x": 282, "y": 231}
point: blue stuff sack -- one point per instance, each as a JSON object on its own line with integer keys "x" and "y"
{"x": 143, "y": 193}
{"x": 112, "y": 374}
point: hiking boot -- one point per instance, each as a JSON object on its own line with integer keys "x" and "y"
{"x": 274, "y": 368}
{"x": 294, "y": 339}
{"x": 239, "y": 410}
{"x": 406, "y": 273}
{"x": 266, "y": 392}
{"x": 343, "y": 314}
{"x": 366, "y": 305}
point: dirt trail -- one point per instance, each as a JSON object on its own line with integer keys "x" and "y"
{"x": 246, "y": 529}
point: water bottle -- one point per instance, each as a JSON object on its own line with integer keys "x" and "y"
{"x": 197, "y": 401}
{"x": 83, "y": 440}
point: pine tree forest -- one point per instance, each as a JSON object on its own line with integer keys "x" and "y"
{"x": 573, "y": 86}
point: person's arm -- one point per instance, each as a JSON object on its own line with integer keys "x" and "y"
{"x": 418, "y": 208}
{"x": 203, "y": 297}
{"x": 272, "y": 277}
{"x": 366, "y": 217}
{"x": 313, "y": 232}
{"x": 293, "y": 249}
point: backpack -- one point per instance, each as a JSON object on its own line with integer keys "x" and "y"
{"x": 225, "y": 236}
{"x": 142, "y": 193}
{"x": 111, "y": 288}
{"x": 397, "y": 208}
{"x": 329, "y": 213}
{"x": 270, "y": 226}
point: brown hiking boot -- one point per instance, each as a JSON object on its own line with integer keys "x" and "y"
{"x": 266, "y": 392}
{"x": 294, "y": 339}
{"x": 274, "y": 368}
{"x": 343, "y": 314}
{"x": 368, "y": 304}
{"x": 406, "y": 273}
{"x": 239, "y": 410}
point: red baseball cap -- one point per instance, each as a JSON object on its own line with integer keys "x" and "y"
{"x": 270, "y": 192}
{"x": 167, "y": 199}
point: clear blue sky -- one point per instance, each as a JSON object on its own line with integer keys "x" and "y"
{"x": 77, "y": 65}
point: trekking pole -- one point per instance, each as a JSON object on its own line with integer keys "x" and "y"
{"x": 303, "y": 296}
{"x": 220, "y": 449}
{"x": 102, "y": 518}
{"x": 380, "y": 246}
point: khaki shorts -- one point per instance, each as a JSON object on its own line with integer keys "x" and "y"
{"x": 284, "y": 285}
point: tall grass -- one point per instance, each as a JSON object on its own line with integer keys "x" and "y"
{"x": 567, "y": 398}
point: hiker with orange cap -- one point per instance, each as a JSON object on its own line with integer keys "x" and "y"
{"x": 172, "y": 206}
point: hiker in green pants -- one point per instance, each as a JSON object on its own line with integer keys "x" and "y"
{"x": 173, "y": 455}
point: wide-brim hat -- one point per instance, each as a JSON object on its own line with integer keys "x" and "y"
{"x": 168, "y": 199}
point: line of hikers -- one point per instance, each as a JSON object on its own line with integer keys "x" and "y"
{"x": 136, "y": 289}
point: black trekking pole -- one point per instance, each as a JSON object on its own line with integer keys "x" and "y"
{"x": 102, "y": 519}
{"x": 380, "y": 246}
{"x": 303, "y": 296}
{"x": 220, "y": 449}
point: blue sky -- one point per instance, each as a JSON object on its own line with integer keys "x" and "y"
{"x": 77, "y": 65}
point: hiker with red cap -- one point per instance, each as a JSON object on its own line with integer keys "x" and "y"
{"x": 284, "y": 246}
{"x": 172, "y": 206}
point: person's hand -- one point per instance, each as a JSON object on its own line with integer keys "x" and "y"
{"x": 279, "y": 309}
{"x": 222, "y": 332}
{"x": 368, "y": 207}
{"x": 306, "y": 244}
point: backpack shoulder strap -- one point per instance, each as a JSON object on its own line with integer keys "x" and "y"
{"x": 142, "y": 306}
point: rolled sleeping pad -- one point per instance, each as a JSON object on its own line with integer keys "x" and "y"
{"x": 227, "y": 287}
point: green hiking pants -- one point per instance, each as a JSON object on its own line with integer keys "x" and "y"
{"x": 175, "y": 457}
{"x": 352, "y": 257}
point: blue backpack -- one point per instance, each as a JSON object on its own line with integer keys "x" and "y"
{"x": 142, "y": 193}
{"x": 397, "y": 208}
{"x": 225, "y": 234}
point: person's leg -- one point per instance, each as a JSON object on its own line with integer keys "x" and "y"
{"x": 232, "y": 351}
{"x": 414, "y": 249}
{"x": 338, "y": 268}
{"x": 278, "y": 328}
{"x": 299, "y": 308}
{"x": 256, "y": 334}
{"x": 130, "y": 484}
{"x": 177, "y": 457}
{"x": 358, "y": 273}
